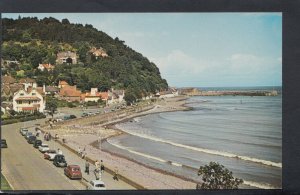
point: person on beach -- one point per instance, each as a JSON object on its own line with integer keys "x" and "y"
{"x": 102, "y": 167}
{"x": 59, "y": 151}
{"x": 49, "y": 136}
{"x": 116, "y": 171}
{"x": 87, "y": 167}
{"x": 97, "y": 170}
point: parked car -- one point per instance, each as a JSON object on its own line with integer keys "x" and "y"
{"x": 96, "y": 185}
{"x": 37, "y": 143}
{"x": 43, "y": 148}
{"x": 59, "y": 161}
{"x": 50, "y": 154}
{"x": 73, "y": 172}
{"x": 3, "y": 143}
{"x": 68, "y": 117}
{"x": 84, "y": 114}
{"x": 28, "y": 134}
{"x": 31, "y": 139}
{"x": 23, "y": 130}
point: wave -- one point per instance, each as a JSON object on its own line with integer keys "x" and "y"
{"x": 144, "y": 155}
{"x": 209, "y": 151}
{"x": 259, "y": 185}
{"x": 249, "y": 183}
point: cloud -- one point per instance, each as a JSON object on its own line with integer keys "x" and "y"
{"x": 178, "y": 62}
{"x": 249, "y": 63}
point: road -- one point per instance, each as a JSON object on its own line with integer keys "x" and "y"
{"x": 26, "y": 169}
{"x": 24, "y": 166}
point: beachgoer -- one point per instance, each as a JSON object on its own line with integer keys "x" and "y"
{"x": 83, "y": 155}
{"x": 64, "y": 140}
{"x": 87, "y": 167}
{"x": 102, "y": 167}
{"x": 59, "y": 151}
{"x": 115, "y": 177}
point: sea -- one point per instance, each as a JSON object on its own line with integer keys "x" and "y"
{"x": 243, "y": 133}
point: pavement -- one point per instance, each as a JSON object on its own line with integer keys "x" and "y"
{"x": 26, "y": 169}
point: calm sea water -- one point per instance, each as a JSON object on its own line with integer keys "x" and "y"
{"x": 240, "y": 132}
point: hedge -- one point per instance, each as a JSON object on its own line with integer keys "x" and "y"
{"x": 16, "y": 120}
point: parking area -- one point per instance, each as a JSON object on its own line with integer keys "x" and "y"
{"x": 74, "y": 159}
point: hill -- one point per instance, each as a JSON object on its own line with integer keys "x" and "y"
{"x": 32, "y": 41}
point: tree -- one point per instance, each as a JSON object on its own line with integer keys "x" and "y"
{"x": 51, "y": 105}
{"x": 216, "y": 176}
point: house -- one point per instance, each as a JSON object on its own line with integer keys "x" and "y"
{"x": 66, "y": 57}
{"x": 50, "y": 90}
{"x": 171, "y": 92}
{"x": 115, "y": 96}
{"x": 8, "y": 91}
{"x": 7, "y": 80}
{"x": 70, "y": 93}
{"x": 98, "y": 52}
{"x": 62, "y": 84}
{"x": 29, "y": 100}
{"x": 28, "y": 82}
{"x": 48, "y": 67}
{"x": 8, "y": 87}
{"x": 94, "y": 96}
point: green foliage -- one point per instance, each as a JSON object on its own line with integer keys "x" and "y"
{"x": 21, "y": 117}
{"x": 71, "y": 105}
{"x": 32, "y": 41}
{"x": 216, "y": 176}
{"x": 51, "y": 105}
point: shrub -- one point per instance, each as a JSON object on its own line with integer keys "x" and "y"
{"x": 216, "y": 176}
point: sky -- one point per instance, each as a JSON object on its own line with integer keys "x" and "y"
{"x": 197, "y": 49}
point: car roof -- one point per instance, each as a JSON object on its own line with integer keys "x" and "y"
{"x": 43, "y": 144}
{"x": 97, "y": 182}
{"x": 74, "y": 166}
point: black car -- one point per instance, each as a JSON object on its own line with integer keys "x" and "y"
{"x": 59, "y": 161}
{"x": 3, "y": 143}
{"x": 31, "y": 139}
{"x": 72, "y": 116}
{"x": 37, "y": 143}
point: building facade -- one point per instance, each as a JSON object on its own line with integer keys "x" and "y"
{"x": 30, "y": 100}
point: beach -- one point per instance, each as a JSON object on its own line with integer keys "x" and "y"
{"x": 85, "y": 133}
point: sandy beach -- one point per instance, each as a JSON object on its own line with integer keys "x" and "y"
{"x": 86, "y": 132}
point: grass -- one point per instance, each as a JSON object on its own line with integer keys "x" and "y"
{"x": 4, "y": 184}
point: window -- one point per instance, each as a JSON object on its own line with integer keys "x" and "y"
{"x": 21, "y": 94}
{"x": 33, "y": 93}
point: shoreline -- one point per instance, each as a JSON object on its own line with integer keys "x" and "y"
{"x": 95, "y": 143}
{"x": 86, "y": 134}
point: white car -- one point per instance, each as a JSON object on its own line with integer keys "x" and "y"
{"x": 43, "y": 148}
{"x": 96, "y": 185}
{"x": 50, "y": 154}
{"x": 23, "y": 131}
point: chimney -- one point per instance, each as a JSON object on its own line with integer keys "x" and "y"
{"x": 94, "y": 91}
{"x": 44, "y": 88}
{"x": 34, "y": 85}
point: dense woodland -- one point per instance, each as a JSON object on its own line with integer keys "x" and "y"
{"x": 32, "y": 41}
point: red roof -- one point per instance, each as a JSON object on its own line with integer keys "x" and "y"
{"x": 63, "y": 83}
{"x": 48, "y": 66}
{"x": 70, "y": 91}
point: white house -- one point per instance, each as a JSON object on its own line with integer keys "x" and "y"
{"x": 115, "y": 96}
{"x": 29, "y": 100}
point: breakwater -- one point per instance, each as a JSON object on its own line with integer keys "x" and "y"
{"x": 235, "y": 93}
